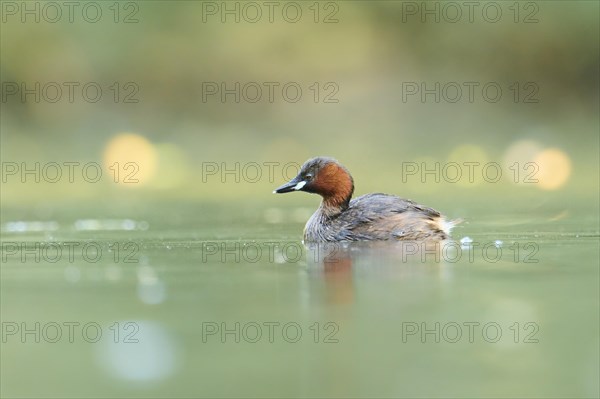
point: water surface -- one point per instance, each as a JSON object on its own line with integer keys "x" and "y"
{"x": 221, "y": 302}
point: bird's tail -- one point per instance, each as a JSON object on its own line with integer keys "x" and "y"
{"x": 448, "y": 225}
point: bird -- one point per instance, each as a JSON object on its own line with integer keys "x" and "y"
{"x": 370, "y": 217}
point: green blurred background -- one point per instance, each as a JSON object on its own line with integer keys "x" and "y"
{"x": 373, "y": 49}
{"x": 176, "y": 134}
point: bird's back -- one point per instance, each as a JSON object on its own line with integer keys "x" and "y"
{"x": 378, "y": 217}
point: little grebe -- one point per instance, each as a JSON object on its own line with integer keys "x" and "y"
{"x": 369, "y": 217}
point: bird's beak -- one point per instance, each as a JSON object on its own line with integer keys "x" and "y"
{"x": 293, "y": 185}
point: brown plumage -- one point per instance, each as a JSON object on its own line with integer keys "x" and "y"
{"x": 369, "y": 217}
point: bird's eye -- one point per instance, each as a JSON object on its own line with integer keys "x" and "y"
{"x": 309, "y": 176}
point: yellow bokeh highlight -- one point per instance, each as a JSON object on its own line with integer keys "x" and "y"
{"x": 130, "y": 159}
{"x": 554, "y": 168}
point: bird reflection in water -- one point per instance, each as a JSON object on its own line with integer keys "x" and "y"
{"x": 341, "y": 264}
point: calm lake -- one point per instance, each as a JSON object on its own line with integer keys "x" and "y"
{"x": 184, "y": 300}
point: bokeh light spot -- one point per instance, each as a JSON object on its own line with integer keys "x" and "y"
{"x": 554, "y": 168}
{"x": 130, "y": 160}
{"x": 145, "y": 352}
